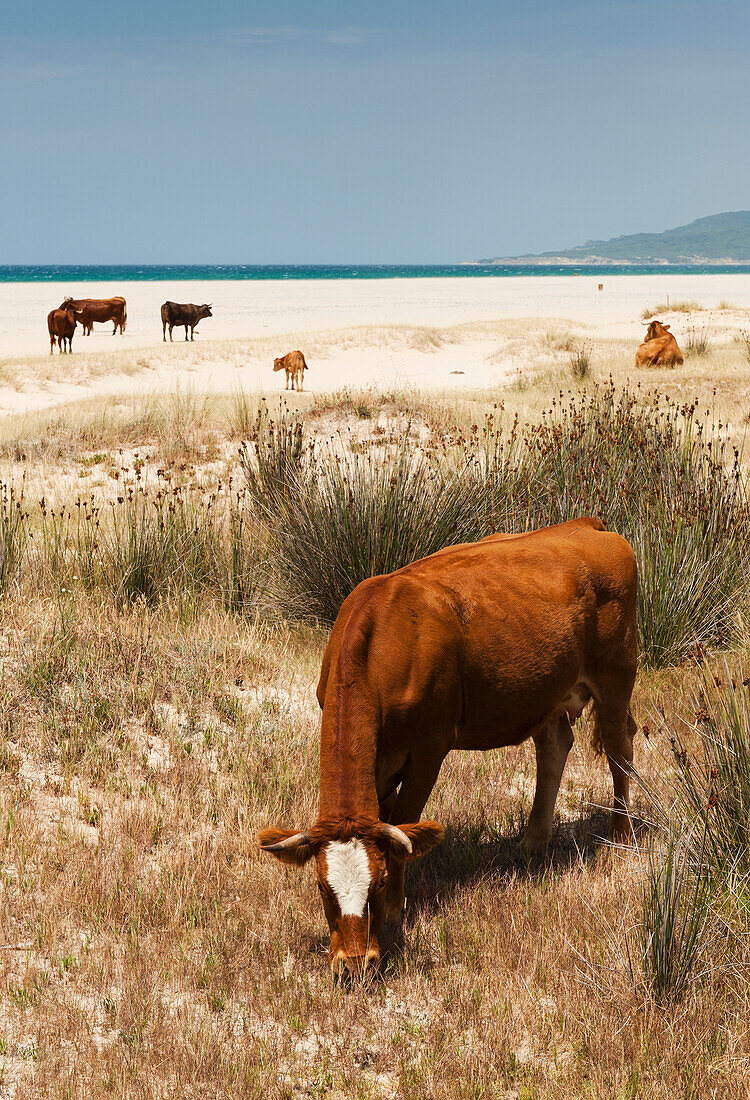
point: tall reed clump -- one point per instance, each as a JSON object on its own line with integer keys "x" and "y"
{"x": 159, "y": 544}
{"x": 709, "y": 777}
{"x": 697, "y": 342}
{"x": 670, "y": 945}
{"x": 652, "y": 471}
{"x": 151, "y": 543}
{"x": 580, "y": 361}
{"x": 336, "y": 516}
{"x": 13, "y": 534}
{"x": 693, "y": 912}
{"x": 668, "y": 482}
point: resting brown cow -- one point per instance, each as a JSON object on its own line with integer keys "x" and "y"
{"x": 659, "y": 349}
{"x": 176, "y": 314}
{"x": 295, "y": 366}
{"x": 61, "y": 324}
{"x": 475, "y": 647}
{"x": 89, "y": 310}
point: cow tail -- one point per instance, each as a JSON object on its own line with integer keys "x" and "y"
{"x": 124, "y": 315}
{"x": 597, "y": 742}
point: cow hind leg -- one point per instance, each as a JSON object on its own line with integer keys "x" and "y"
{"x": 615, "y": 730}
{"x": 552, "y": 744}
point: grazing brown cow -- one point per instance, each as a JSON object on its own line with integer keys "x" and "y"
{"x": 61, "y": 324}
{"x": 89, "y": 310}
{"x": 295, "y": 366}
{"x": 659, "y": 349}
{"x": 175, "y": 314}
{"x": 475, "y": 647}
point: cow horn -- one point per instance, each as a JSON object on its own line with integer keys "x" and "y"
{"x": 295, "y": 841}
{"x": 398, "y": 836}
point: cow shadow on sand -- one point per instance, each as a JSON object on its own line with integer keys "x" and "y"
{"x": 470, "y": 857}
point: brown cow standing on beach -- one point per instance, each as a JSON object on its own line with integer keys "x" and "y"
{"x": 475, "y": 647}
{"x": 177, "y": 314}
{"x": 295, "y": 366}
{"x": 61, "y": 324}
{"x": 659, "y": 349}
{"x": 89, "y": 310}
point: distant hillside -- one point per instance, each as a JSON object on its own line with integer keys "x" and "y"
{"x": 720, "y": 238}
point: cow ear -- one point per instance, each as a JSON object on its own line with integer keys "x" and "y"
{"x": 287, "y": 845}
{"x": 666, "y": 326}
{"x": 423, "y": 835}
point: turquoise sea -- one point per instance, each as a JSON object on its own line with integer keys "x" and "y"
{"x": 63, "y": 273}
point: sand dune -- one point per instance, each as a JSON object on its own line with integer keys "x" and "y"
{"x": 430, "y": 333}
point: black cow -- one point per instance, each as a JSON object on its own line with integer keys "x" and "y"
{"x": 172, "y": 313}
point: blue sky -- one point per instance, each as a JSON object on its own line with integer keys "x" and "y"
{"x": 417, "y": 131}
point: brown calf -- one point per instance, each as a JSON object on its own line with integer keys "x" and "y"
{"x": 295, "y": 366}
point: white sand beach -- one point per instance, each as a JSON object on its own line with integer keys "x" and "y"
{"x": 431, "y": 333}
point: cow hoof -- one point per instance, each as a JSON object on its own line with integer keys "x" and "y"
{"x": 621, "y": 833}
{"x": 533, "y": 847}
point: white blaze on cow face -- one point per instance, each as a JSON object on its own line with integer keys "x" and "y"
{"x": 349, "y": 875}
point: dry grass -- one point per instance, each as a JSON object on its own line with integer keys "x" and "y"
{"x": 147, "y": 950}
{"x": 671, "y": 307}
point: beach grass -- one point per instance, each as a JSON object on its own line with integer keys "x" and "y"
{"x": 679, "y": 306}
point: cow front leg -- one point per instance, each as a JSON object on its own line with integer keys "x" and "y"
{"x": 416, "y": 787}
{"x": 552, "y": 744}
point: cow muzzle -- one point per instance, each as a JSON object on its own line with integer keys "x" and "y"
{"x": 354, "y": 949}
{"x": 344, "y": 965}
